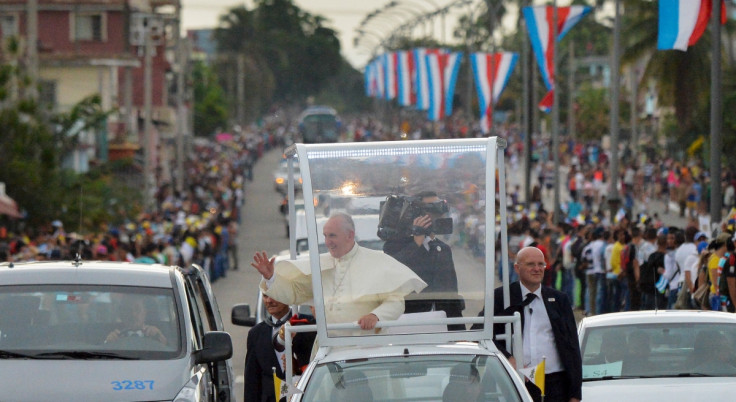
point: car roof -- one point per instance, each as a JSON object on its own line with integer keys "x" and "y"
{"x": 86, "y": 273}
{"x": 367, "y": 352}
{"x": 656, "y": 317}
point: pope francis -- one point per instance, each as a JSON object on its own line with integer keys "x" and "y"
{"x": 358, "y": 283}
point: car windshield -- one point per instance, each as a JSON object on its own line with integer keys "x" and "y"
{"x": 663, "y": 350}
{"x": 69, "y": 321}
{"x": 412, "y": 378}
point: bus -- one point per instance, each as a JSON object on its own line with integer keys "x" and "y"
{"x": 318, "y": 124}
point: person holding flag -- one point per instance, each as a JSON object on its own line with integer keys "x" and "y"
{"x": 265, "y": 361}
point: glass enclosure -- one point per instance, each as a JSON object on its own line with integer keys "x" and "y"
{"x": 57, "y": 321}
{"x": 418, "y": 210}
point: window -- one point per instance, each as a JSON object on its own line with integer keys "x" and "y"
{"x": 89, "y": 27}
{"x": 8, "y": 25}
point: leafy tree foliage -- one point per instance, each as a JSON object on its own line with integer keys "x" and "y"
{"x": 32, "y": 145}
{"x": 289, "y": 54}
{"x": 210, "y": 110}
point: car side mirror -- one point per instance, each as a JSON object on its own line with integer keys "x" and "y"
{"x": 240, "y": 315}
{"x": 217, "y": 346}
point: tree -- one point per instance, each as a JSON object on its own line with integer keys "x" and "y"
{"x": 32, "y": 145}
{"x": 210, "y": 106}
{"x": 289, "y": 54}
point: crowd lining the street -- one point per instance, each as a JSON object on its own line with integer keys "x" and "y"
{"x": 605, "y": 256}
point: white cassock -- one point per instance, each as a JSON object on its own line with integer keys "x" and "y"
{"x": 361, "y": 282}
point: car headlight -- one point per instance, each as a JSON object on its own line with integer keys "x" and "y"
{"x": 191, "y": 391}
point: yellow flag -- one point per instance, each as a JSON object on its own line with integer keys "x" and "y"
{"x": 276, "y": 384}
{"x": 539, "y": 376}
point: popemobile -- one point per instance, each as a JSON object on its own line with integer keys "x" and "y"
{"x": 389, "y": 326}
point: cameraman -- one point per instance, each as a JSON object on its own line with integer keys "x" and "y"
{"x": 431, "y": 259}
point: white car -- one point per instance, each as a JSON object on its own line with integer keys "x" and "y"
{"x": 110, "y": 331}
{"x": 659, "y": 356}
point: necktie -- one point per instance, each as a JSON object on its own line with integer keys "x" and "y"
{"x": 528, "y": 299}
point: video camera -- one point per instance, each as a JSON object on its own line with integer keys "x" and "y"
{"x": 397, "y": 214}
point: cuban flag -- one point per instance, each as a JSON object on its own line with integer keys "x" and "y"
{"x": 392, "y": 85}
{"x": 491, "y": 73}
{"x": 406, "y": 73}
{"x": 682, "y": 22}
{"x": 442, "y": 67}
{"x": 540, "y": 24}
{"x": 421, "y": 79}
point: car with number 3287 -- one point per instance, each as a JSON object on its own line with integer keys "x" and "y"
{"x": 108, "y": 331}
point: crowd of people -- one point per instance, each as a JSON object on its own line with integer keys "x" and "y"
{"x": 200, "y": 223}
{"x": 197, "y": 225}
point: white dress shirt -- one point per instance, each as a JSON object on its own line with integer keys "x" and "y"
{"x": 539, "y": 340}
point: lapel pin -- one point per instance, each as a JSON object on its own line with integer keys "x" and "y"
{"x": 551, "y": 299}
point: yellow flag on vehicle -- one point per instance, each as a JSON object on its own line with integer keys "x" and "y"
{"x": 538, "y": 376}
{"x": 276, "y": 384}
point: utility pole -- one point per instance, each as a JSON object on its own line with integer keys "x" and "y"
{"x": 32, "y": 47}
{"x": 240, "y": 101}
{"x": 148, "y": 117}
{"x": 492, "y": 31}
{"x": 556, "y": 116}
{"x": 571, "y": 103}
{"x": 716, "y": 200}
{"x": 526, "y": 68}
{"x": 180, "y": 109}
{"x": 613, "y": 196}
{"x": 634, "y": 126}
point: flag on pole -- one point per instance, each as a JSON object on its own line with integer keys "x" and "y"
{"x": 421, "y": 79}
{"x": 540, "y": 24}
{"x": 442, "y": 68}
{"x": 277, "y": 388}
{"x": 491, "y": 72}
{"x": 406, "y": 72}
{"x": 538, "y": 375}
{"x": 535, "y": 374}
{"x": 682, "y": 22}
{"x": 391, "y": 85}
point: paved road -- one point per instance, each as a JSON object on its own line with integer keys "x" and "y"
{"x": 261, "y": 229}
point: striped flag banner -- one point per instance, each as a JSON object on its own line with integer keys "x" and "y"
{"x": 371, "y": 79}
{"x": 491, "y": 73}
{"x": 421, "y": 79}
{"x": 406, "y": 78}
{"x": 682, "y": 22}
{"x": 391, "y": 85}
{"x": 540, "y": 24}
{"x": 442, "y": 67}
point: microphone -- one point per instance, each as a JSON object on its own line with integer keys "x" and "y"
{"x": 531, "y": 310}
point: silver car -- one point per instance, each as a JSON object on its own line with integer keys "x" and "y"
{"x": 111, "y": 331}
{"x": 658, "y": 356}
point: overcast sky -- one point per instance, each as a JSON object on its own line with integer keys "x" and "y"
{"x": 344, "y": 16}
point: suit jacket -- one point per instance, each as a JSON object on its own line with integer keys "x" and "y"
{"x": 435, "y": 267}
{"x": 260, "y": 358}
{"x": 564, "y": 328}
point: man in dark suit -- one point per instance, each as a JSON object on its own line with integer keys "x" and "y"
{"x": 548, "y": 329}
{"x": 265, "y": 351}
{"x": 431, "y": 259}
